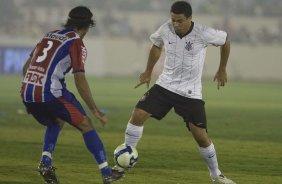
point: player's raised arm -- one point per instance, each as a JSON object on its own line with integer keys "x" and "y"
{"x": 154, "y": 56}
{"x": 85, "y": 93}
{"x": 221, "y": 74}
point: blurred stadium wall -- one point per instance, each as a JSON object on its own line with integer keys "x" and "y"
{"x": 119, "y": 45}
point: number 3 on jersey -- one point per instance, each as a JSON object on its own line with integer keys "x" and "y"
{"x": 45, "y": 50}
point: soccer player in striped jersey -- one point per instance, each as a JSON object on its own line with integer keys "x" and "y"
{"x": 179, "y": 85}
{"x": 47, "y": 99}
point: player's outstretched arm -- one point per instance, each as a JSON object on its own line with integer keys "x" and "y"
{"x": 85, "y": 93}
{"x": 221, "y": 74}
{"x": 154, "y": 56}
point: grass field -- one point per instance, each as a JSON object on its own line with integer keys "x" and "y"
{"x": 245, "y": 123}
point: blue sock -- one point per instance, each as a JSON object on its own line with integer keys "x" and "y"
{"x": 95, "y": 146}
{"x": 50, "y": 140}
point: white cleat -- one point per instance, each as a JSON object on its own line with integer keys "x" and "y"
{"x": 221, "y": 179}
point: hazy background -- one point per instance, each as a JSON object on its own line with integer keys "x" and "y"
{"x": 119, "y": 44}
{"x": 244, "y": 118}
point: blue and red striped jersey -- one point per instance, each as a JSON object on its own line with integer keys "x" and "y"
{"x": 53, "y": 57}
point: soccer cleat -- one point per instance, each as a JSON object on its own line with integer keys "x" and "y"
{"x": 118, "y": 168}
{"x": 48, "y": 173}
{"x": 221, "y": 179}
{"x": 116, "y": 175}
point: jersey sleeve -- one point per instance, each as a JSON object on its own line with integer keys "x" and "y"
{"x": 78, "y": 55}
{"x": 213, "y": 36}
{"x": 156, "y": 38}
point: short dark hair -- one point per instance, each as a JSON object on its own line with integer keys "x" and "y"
{"x": 80, "y": 17}
{"x": 181, "y": 7}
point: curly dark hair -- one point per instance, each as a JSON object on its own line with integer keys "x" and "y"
{"x": 80, "y": 17}
{"x": 181, "y": 7}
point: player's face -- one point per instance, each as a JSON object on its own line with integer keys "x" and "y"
{"x": 181, "y": 24}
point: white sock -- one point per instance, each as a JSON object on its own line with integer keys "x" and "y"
{"x": 133, "y": 134}
{"x": 209, "y": 155}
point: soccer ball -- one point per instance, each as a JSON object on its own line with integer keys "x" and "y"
{"x": 125, "y": 156}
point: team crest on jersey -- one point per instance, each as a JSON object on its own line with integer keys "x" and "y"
{"x": 189, "y": 46}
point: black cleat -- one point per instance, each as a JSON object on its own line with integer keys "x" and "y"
{"x": 116, "y": 175}
{"x": 48, "y": 173}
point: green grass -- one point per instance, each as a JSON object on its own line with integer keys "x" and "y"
{"x": 245, "y": 123}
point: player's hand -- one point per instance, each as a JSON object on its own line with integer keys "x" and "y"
{"x": 144, "y": 77}
{"x": 101, "y": 117}
{"x": 221, "y": 78}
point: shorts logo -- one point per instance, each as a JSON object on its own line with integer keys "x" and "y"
{"x": 143, "y": 98}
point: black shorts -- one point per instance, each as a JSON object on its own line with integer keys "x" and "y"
{"x": 158, "y": 101}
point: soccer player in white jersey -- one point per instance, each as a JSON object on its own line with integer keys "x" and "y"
{"x": 47, "y": 99}
{"x": 179, "y": 85}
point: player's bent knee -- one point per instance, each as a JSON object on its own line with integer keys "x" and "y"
{"x": 140, "y": 113}
{"x": 60, "y": 122}
{"x": 139, "y": 116}
{"x": 85, "y": 125}
{"x": 200, "y": 135}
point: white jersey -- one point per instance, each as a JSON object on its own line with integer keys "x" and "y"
{"x": 184, "y": 57}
